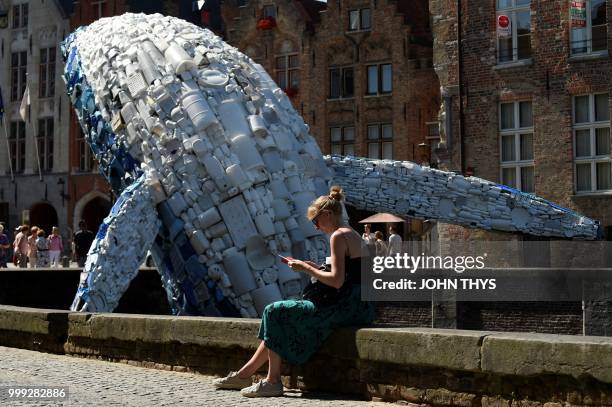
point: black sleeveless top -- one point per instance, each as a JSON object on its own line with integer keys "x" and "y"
{"x": 352, "y": 270}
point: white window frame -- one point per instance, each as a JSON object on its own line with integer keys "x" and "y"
{"x": 593, "y": 159}
{"x": 46, "y": 88}
{"x": 342, "y": 143}
{"x": 360, "y": 12}
{"x": 288, "y": 69}
{"x": 589, "y": 35}
{"x": 17, "y": 146}
{"x": 518, "y": 164}
{"x": 343, "y": 93}
{"x": 511, "y": 12}
{"x": 379, "y": 79}
{"x": 45, "y": 140}
{"x": 21, "y": 23}
{"x": 100, "y": 5}
{"x": 380, "y": 141}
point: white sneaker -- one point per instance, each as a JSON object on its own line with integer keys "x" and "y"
{"x": 263, "y": 389}
{"x": 232, "y": 382}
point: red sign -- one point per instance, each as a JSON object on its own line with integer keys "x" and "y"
{"x": 503, "y": 21}
{"x": 504, "y": 28}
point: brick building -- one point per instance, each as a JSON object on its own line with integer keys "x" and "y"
{"x": 358, "y": 71}
{"x": 527, "y": 91}
{"x": 33, "y": 157}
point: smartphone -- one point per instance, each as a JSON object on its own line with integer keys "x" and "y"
{"x": 285, "y": 259}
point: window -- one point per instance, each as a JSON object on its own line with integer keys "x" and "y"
{"x": 269, "y": 11}
{"x": 341, "y": 83}
{"x": 87, "y": 160}
{"x": 588, "y": 26}
{"x": 17, "y": 146}
{"x": 517, "y": 44}
{"x": 592, "y": 160}
{"x": 47, "y": 73}
{"x": 342, "y": 140}
{"x": 516, "y": 145}
{"x": 288, "y": 71}
{"x": 18, "y": 74}
{"x": 380, "y": 79}
{"x": 360, "y": 19}
{"x": 20, "y": 15}
{"x": 45, "y": 143}
{"x": 380, "y": 141}
{"x": 98, "y": 6}
{"x": 433, "y": 133}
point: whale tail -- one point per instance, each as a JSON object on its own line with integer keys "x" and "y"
{"x": 406, "y": 189}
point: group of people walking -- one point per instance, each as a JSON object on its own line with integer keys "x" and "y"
{"x": 377, "y": 241}
{"x": 32, "y": 246}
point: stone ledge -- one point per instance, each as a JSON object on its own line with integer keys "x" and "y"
{"x": 443, "y": 367}
{"x": 541, "y": 354}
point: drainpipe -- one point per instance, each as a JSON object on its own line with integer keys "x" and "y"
{"x": 460, "y": 67}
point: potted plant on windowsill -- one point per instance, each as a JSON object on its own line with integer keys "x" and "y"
{"x": 291, "y": 91}
{"x": 266, "y": 23}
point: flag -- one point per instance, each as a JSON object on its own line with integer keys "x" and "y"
{"x": 1, "y": 106}
{"x": 25, "y": 103}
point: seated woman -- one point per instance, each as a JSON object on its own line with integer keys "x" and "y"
{"x": 293, "y": 330}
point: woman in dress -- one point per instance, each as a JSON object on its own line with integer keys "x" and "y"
{"x": 42, "y": 250}
{"x": 381, "y": 245}
{"x": 56, "y": 247}
{"x": 32, "y": 246}
{"x": 293, "y": 330}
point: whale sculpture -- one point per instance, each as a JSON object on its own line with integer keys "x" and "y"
{"x": 214, "y": 170}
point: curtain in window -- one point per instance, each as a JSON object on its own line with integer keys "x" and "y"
{"x": 583, "y": 177}
{"x": 604, "y": 176}
{"x": 583, "y": 143}
{"x": 602, "y": 141}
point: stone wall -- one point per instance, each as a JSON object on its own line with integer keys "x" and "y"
{"x": 428, "y": 366}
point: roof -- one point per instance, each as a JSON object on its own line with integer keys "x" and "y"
{"x": 382, "y": 218}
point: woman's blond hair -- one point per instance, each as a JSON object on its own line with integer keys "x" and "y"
{"x": 331, "y": 202}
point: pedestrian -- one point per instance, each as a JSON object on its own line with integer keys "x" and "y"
{"x": 293, "y": 330}
{"x": 20, "y": 247}
{"x": 395, "y": 241}
{"x": 56, "y": 247}
{"x": 82, "y": 240}
{"x": 32, "y": 246}
{"x": 5, "y": 245}
{"x": 42, "y": 249}
{"x": 367, "y": 235}
{"x": 380, "y": 245}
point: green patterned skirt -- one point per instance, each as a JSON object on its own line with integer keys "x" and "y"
{"x": 296, "y": 329}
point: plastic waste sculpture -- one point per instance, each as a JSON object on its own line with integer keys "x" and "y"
{"x": 215, "y": 170}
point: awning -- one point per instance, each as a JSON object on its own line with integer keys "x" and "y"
{"x": 382, "y": 218}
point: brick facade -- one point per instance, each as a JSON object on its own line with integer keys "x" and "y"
{"x": 549, "y": 79}
{"x": 321, "y": 38}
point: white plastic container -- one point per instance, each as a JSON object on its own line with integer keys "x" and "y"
{"x": 209, "y": 218}
{"x": 179, "y": 59}
{"x": 258, "y": 125}
{"x": 198, "y": 110}
{"x": 244, "y": 147}
{"x": 237, "y": 177}
{"x": 238, "y": 271}
{"x": 265, "y": 295}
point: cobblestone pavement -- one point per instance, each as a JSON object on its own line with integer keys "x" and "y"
{"x": 93, "y": 382}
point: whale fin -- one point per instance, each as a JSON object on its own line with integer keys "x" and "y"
{"x": 118, "y": 250}
{"x": 407, "y": 189}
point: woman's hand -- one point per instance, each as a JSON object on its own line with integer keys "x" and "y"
{"x": 311, "y": 263}
{"x": 299, "y": 265}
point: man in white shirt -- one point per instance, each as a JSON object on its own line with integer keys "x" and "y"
{"x": 395, "y": 241}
